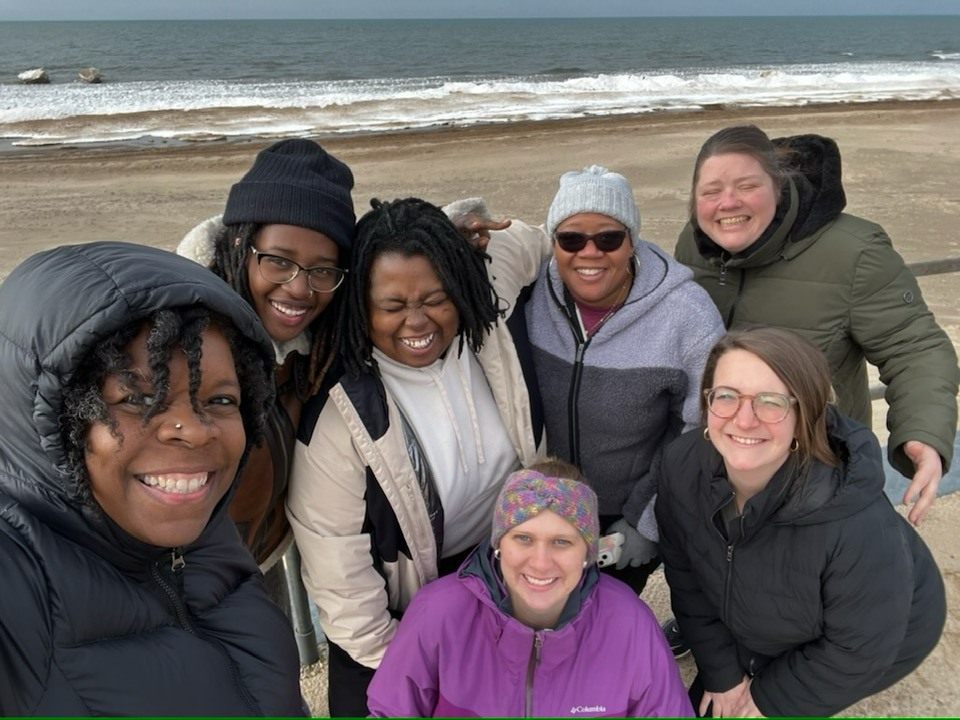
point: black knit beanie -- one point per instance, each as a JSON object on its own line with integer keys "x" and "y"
{"x": 296, "y": 182}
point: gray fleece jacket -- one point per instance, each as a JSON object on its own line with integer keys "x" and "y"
{"x": 614, "y": 399}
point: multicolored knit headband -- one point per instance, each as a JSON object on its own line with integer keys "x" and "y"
{"x": 527, "y": 493}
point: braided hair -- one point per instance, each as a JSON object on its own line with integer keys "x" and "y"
{"x": 413, "y": 227}
{"x": 231, "y": 252}
{"x": 170, "y": 330}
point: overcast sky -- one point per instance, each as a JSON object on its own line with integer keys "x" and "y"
{"x": 235, "y": 9}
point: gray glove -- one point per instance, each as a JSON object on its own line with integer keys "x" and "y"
{"x": 636, "y": 549}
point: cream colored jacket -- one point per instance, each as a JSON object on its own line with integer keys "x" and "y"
{"x": 329, "y": 499}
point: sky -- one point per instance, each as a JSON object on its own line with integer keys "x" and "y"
{"x": 391, "y": 9}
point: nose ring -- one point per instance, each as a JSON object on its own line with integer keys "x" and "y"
{"x": 178, "y": 426}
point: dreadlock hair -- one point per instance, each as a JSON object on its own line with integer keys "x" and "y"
{"x": 231, "y": 252}
{"x": 174, "y": 329}
{"x": 409, "y": 228}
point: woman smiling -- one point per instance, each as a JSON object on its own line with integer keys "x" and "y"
{"x": 797, "y": 585}
{"x": 769, "y": 241}
{"x": 528, "y": 627}
{"x": 129, "y": 413}
{"x": 283, "y": 244}
{"x": 400, "y": 472}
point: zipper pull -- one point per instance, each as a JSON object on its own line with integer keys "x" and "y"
{"x": 537, "y": 644}
{"x": 729, "y": 552}
{"x": 177, "y": 561}
{"x": 723, "y": 274}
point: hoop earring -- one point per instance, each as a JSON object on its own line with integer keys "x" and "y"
{"x": 795, "y": 445}
{"x": 496, "y": 553}
{"x": 706, "y": 433}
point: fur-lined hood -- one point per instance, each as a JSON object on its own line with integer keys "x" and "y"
{"x": 200, "y": 243}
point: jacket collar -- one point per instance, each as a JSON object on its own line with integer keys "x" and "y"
{"x": 481, "y": 565}
{"x": 820, "y": 493}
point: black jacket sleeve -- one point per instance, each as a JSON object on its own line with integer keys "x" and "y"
{"x": 867, "y": 588}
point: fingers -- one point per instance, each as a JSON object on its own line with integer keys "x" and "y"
{"x": 481, "y": 225}
{"x": 705, "y": 704}
{"x": 926, "y": 479}
{"x": 927, "y": 497}
{"x": 479, "y": 241}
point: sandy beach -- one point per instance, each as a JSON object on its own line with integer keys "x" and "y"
{"x": 901, "y": 169}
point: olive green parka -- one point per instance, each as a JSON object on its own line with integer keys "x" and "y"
{"x": 836, "y": 279}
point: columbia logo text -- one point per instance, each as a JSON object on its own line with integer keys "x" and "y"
{"x": 577, "y": 709}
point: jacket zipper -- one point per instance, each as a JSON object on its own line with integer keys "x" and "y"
{"x": 174, "y": 592}
{"x": 531, "y": 670}
{"x": 573, "y": 413}
{"x": 722, "y": 280}
{"x": 728, "y": 584}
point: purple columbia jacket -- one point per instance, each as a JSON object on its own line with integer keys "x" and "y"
{"x": 459, "y": 653}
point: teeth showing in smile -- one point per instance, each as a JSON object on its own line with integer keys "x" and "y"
{"x": 727, "y": 222}
{"x": 178, "y": 485}
{"x": 747, "y": 441}
{"x": 418, "y": 343}
{"x": 287, "y": 310}
{"x": 589, "y": 272}
{"x": 538, "y": 582}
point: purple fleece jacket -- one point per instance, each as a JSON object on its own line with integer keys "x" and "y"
{"x": 457, "y": 653}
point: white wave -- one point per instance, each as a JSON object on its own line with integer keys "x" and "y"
{"x": 79, "y": 113}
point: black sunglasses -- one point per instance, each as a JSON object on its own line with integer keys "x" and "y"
{"x": 606, "y": 241}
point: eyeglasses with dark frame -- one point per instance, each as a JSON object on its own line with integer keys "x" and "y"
{"x": 769, "y": 407}
{"x": 280, "y": 270}
{"x": 606, "y": 241}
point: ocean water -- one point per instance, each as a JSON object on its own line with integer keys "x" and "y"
{"x": 169, "y": 81}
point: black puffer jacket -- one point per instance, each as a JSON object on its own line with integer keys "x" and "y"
{"x": 92, "y": 621}
{"x": 822, "y": 592}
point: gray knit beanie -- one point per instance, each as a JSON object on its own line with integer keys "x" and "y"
{"x": 595, "y": 190}
{"x": 296, "y": 182}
